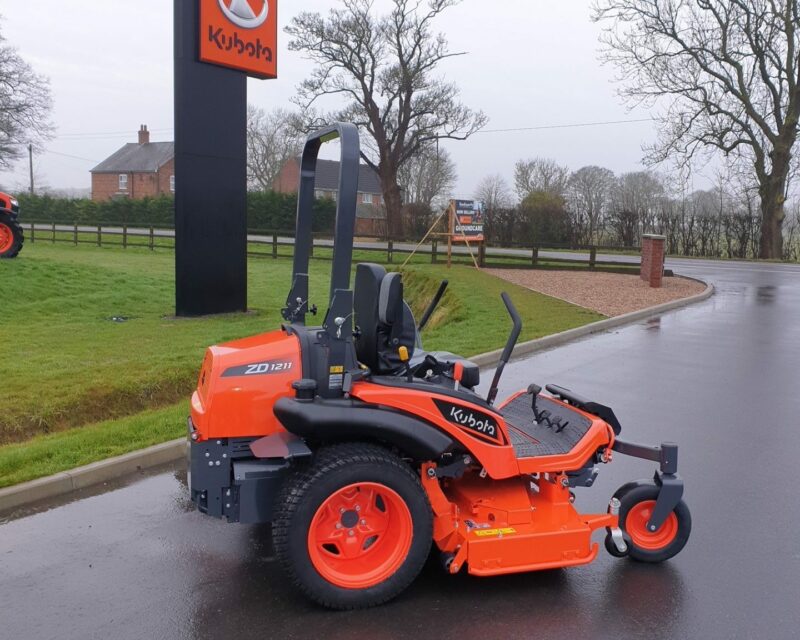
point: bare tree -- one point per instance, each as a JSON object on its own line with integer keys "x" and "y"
{"x": 540, "y": 174}
{"x": 732, "y": 72}
{"x": 501, "y": 218}
{"x": 588, "y": 193}
{"x": 271, "y": 141}
{"x": 428, "y": 177}
{"x": 383, "y": 66}
{"x": 634, "y": 205}
{"x": 25, "y": 105}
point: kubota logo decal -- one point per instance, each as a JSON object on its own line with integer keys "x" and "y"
{"x": 247, "y": 14}
{"x": 240, "y": 34}
{"x": 470, "y": 419}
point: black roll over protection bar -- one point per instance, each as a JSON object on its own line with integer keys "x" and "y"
{"x": 297, "y": 300}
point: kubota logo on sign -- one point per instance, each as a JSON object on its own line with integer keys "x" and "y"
{"x": 243, "y": 14}
{"x": 241, "y": 34}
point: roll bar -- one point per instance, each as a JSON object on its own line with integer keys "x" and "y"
{"x": 297, "y": 300}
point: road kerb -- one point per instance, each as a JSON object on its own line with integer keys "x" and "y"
{"x": 98, "y": 472}
{"x": 95, "y": 473}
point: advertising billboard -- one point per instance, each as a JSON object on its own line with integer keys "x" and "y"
{"x": 466, "y": 220}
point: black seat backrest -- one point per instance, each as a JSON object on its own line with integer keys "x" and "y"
{"x": 384, "y": 320}
{"x": 365, "y": 310}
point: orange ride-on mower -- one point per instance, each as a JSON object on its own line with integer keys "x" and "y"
{"x": 362, "y": 449}
{"x": 11, "y": 237}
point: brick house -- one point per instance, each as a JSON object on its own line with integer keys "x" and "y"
{"x": 137, "y": 170}
{"x": 370, "y": 213}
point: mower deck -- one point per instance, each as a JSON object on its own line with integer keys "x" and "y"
{"x": 557, "y": 431}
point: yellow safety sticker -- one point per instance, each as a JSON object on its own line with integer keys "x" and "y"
{"x": 337, "y": 369}
{"x": 494, "y": 532}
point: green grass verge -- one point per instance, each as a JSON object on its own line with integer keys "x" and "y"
{"x": 45, "y": 455}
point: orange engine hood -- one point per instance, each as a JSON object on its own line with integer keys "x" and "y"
{"x": 239, "y": 383}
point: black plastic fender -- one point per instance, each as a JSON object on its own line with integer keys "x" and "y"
{"x": 348, "y": 419}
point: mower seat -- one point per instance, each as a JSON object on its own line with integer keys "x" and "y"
{"x": 384, "y": 321}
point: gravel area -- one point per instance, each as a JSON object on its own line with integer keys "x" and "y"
{"x": 611, "y": 294}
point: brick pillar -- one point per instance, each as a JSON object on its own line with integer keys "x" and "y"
{"x": 652, "y": 270}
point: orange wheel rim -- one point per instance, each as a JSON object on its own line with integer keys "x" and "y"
{"x": 360, "y": 535}
{"x": 636, "y": 527}
{"x": 6, "y": 237}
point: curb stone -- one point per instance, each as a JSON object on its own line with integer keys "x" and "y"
{"x": 98, "y": 472}
{"x": 95, "y": 473}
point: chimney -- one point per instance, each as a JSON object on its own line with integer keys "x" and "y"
{"x": 144, "y": 135}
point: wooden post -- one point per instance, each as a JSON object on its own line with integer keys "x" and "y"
{"x": 274, "y": 246}
{"x": 54, "y": 233}
{"x": 75, "y": 234}
{"x": 124, "y": 236}
{"x": 389, "y": 251}
{"x": 592, "y": 257}
{"x": 152, "y": 239}
{"x": 33, "y": 234}
{"x": 434, "y": 250}
{"x": 534, "y": 255}
{"x": 482, "y": 254}
{"x": 99, "y": 236}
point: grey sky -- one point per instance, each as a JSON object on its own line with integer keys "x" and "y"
{"x": 530, "y": 63}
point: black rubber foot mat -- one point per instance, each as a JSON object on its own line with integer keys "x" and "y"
{"x": 531, "y": 439}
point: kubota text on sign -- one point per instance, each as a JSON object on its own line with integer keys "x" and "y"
{"x": 241, "y": 34}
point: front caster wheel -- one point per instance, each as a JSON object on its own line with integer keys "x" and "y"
{"x": 354, "y": 528}
{"x": 612, "y": 548}
{"x": 636, "y": 507}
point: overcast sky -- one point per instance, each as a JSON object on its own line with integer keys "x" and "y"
{"x": 530, "y": 63}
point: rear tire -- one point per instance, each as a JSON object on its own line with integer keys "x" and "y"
{"x": 11, "y": 237}
{"x": 353, "y": 529}
{"x": 645, "y": 546}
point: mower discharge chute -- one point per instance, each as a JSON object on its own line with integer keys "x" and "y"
{"x": 363, "y": 449}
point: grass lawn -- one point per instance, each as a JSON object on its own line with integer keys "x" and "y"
{"x": 66, "y": 363}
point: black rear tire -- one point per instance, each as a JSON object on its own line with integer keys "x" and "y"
{"x": 335, "y": 468}
{"x": 10, "y": 226}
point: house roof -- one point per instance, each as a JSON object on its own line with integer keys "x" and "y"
{"x": 328, "y": 177}
{"x": 140, "y": 158}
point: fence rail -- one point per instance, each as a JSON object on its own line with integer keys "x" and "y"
{"x": 271, "y": 243}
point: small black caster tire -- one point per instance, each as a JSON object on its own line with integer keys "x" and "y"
{"x": 612, "y": 548}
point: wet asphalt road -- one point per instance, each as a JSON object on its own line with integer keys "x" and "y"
{"x": 719, "y": 378}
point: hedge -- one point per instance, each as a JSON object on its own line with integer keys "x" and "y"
{"x": 265, "y": 210}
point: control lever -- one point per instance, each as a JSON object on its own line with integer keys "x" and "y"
{"x": 534, "y": 390}
{"x": 402, "y": 352}
{"x": 458, "y": 373}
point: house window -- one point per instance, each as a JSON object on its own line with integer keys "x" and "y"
{"x": 366, "y": 198}
{"x": 123, "y": 181}
{"x": 172, "y": 184}
{"x": 318, "y": 194}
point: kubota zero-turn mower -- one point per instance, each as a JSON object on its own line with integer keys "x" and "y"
{"x": 11, "y": 237}
{"x": 362, "y": 449}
